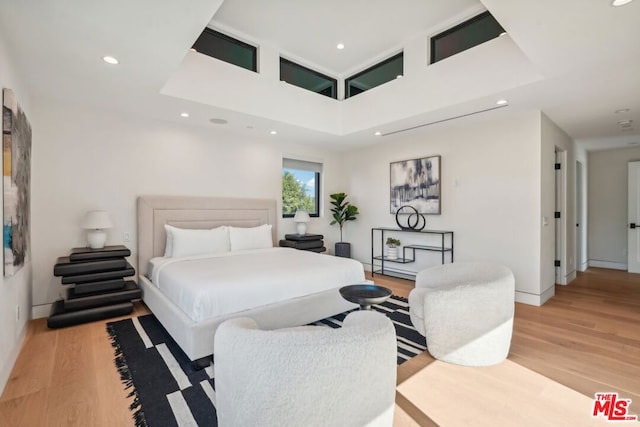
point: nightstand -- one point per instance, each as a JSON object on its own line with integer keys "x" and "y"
{"x": 304, "y": 242}
{"x": 99, "y": 289}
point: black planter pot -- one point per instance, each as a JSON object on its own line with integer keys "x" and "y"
{"x": 343, "y": 249}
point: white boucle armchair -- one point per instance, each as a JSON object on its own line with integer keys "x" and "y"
{"x": 308, "y": 375}
{"x": 465, "y": 311}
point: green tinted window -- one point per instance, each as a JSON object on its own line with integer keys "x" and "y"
{"x": 227, "y": 49}
{"x": 306, "y": 78}
{"x": 387, "y": 70}
{"x": 473, "y": 32}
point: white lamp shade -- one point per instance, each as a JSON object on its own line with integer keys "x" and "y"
{"x": 97, "y": 220}
{"x": 301, "y": 216}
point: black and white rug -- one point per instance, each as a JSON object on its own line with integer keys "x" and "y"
{"x": 168, "y": 391}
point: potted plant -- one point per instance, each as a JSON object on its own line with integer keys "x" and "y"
{"x": 392, "y": 248}
{"x": 343, "y": 211}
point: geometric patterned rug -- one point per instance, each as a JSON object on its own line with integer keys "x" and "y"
{"x": 168, "y": 391}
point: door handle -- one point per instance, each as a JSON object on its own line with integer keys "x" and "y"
{"x": 632, "y": 225}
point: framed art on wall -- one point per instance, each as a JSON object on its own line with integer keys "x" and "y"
{"x": 416, "y": 183}
{"x": 16, "y": 168}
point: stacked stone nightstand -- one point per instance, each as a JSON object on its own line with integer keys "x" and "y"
{"x": 99, "y": 288}
{"x": 304, "y": 242}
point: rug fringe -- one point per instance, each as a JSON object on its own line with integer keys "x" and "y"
{"x": 126, "y": 379}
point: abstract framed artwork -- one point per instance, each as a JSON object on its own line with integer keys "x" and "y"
{"x": 416, "y": 183}
{"x": 16, "y": 180}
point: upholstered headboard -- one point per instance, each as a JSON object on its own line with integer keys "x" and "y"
{"x": 195, "y": 212}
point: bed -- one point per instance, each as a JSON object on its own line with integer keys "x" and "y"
{"x": 176, "y": 289}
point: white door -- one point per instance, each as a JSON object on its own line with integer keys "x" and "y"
{"x": 633, "y": 225}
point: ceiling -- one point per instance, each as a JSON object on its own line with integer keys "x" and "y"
{"x": 587, "y": 52}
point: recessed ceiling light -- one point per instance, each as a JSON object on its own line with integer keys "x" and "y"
{"x": 502, "y": 102}
{"x": 622, "y": 110}
{"x": 110, "y": 60}
{"x": 378, "y": 133}
{"x": 273, "y": 132}
{"x": 340, "y": 46}
{"x": 184, "y": 114}
{"x": 249, "y": 126}
{"x": 217, "y": 121}
{"x": 625, "y": 122}
{"x": 620, "y": 2}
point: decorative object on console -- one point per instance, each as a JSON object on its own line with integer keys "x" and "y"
{"x": 100, "y": 289}
{"x": 416, "y": 183}
{"x": 96, "y": 222}
{"x": 304, "y": 242}
{"x": 301, "y": 218}
{"x": 420, "y": 221}
{"x": 16, "y": 156}
{"x": 392, "y": 248}
{"x": 343, "y": 211}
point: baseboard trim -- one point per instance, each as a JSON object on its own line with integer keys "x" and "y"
{"x": 40, "y": 311}
{"x": 608, "y": 264}
{"x": 564, "y": 281}
{"x": 533, "y": 299}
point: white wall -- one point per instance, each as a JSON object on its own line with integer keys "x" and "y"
{"x": 607, "y": 206}
{"x": 553, "y": 138}
{"x": 85, "y": 159}
{"x": 15, "y": 291}
{"x": 490, "y": 175}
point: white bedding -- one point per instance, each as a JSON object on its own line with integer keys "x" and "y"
{"x": 218, "y": 284}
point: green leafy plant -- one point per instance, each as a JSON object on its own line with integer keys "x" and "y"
{"x": 393, "y": 243}
{"x": 343, "y": 211}
{"x": 294, "y": 195}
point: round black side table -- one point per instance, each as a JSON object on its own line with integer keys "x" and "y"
{"x": 365, "y": 295}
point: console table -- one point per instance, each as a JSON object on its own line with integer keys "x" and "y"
{"x": 443, "y": 244}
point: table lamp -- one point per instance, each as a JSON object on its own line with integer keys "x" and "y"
{"x": 96, "y": 222}
{"x": 301, "y": 219}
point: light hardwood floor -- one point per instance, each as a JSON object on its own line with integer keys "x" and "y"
{"x": 586, "y": 337}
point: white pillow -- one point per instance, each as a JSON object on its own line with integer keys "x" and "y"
{"x": 187, "y": 242}
{"x": 250, "y": 238}
{"x": 168, "y": 245}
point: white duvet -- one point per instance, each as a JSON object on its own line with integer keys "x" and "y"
{"x": 218, "y": 284}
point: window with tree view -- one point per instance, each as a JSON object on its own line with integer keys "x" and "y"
{"x": 300, "y": 187}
